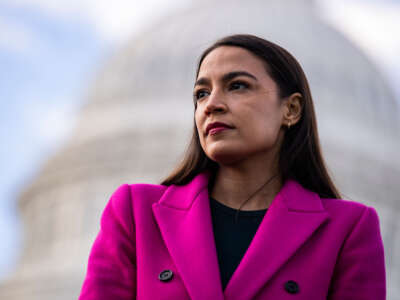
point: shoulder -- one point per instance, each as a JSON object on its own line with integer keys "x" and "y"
{"x": 348, "y": 213}
{"x": 129, "y": 200}
{"x": 340, "y": 206}
{"x": 341, "y": 211}
{"x": 126, "y": 194}
{"x": 145, "y": 195}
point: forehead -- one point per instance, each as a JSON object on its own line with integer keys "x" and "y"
{"x": 225, "y": 59}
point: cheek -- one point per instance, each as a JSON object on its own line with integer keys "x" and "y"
{"x": 265, "y": 126}
{"x": 198, "y": 123}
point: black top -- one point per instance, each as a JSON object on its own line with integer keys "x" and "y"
{"x": 232, "y": 238}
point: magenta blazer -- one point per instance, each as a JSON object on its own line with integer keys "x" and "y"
{"x": 157, "y": 242}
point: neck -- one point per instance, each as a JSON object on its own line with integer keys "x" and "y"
{"x": 234, "y": 184}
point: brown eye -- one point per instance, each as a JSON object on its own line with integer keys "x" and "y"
{"x": 238, "y": 85}
{"x": 200, "y": 94}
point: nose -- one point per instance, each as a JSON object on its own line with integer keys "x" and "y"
{"x": 215, "y": 104}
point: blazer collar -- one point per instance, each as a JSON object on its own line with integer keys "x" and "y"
{"x": 184, "y": 218}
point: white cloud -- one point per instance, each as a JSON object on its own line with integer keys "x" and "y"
{"x": 373, "y": 25}
{"x": 17, "y": 37}
{"x": 115, "y": 21}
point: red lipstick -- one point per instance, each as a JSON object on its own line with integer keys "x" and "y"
{"x": 216, "y": 127}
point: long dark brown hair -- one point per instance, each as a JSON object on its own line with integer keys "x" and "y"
{"x": 300, "y": 156}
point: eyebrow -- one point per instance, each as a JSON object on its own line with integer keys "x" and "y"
{"x": 226, "y": 77}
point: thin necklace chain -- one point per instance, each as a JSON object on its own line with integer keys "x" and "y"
{"x": 259, "y": 189}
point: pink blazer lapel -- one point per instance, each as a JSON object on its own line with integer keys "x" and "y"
{"x": 293, "y": 216}
{"x": 184, "y": 219}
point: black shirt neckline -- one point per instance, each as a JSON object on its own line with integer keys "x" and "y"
{"x": 231, "y": 211}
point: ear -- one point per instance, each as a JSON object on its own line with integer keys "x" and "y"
{"x": 293, "y": 109}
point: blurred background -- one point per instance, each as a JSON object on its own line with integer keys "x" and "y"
{"x": 95, "y": 94}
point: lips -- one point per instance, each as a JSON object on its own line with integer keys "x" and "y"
{"x": 217, "y": 126}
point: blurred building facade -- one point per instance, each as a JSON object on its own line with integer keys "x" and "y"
{"x": 138, "y": 119}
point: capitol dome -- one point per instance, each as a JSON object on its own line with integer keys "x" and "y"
{"x": 139, "y": 115}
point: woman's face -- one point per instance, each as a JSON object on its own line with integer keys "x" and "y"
{"x": 234, "y": 89}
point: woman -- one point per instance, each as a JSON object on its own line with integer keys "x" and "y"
{"x": 251, "y": 213}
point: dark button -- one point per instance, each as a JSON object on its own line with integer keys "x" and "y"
{"x": 292, "y": 287}
{"x": 165, "y": 275}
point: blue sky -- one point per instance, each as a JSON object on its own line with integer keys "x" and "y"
{"x": 42, "y": 78}
{"x": 50, "y": 51}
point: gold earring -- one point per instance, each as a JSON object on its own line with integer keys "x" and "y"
{"x": 288, "y": 125}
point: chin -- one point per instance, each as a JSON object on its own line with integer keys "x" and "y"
{"x": 225, "y": 157}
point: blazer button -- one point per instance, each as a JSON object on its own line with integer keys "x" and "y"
{"x": 165, "y": 275}
{"x": 292, "y": 287}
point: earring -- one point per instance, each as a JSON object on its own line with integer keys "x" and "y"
{"x": 288, "y": 125}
